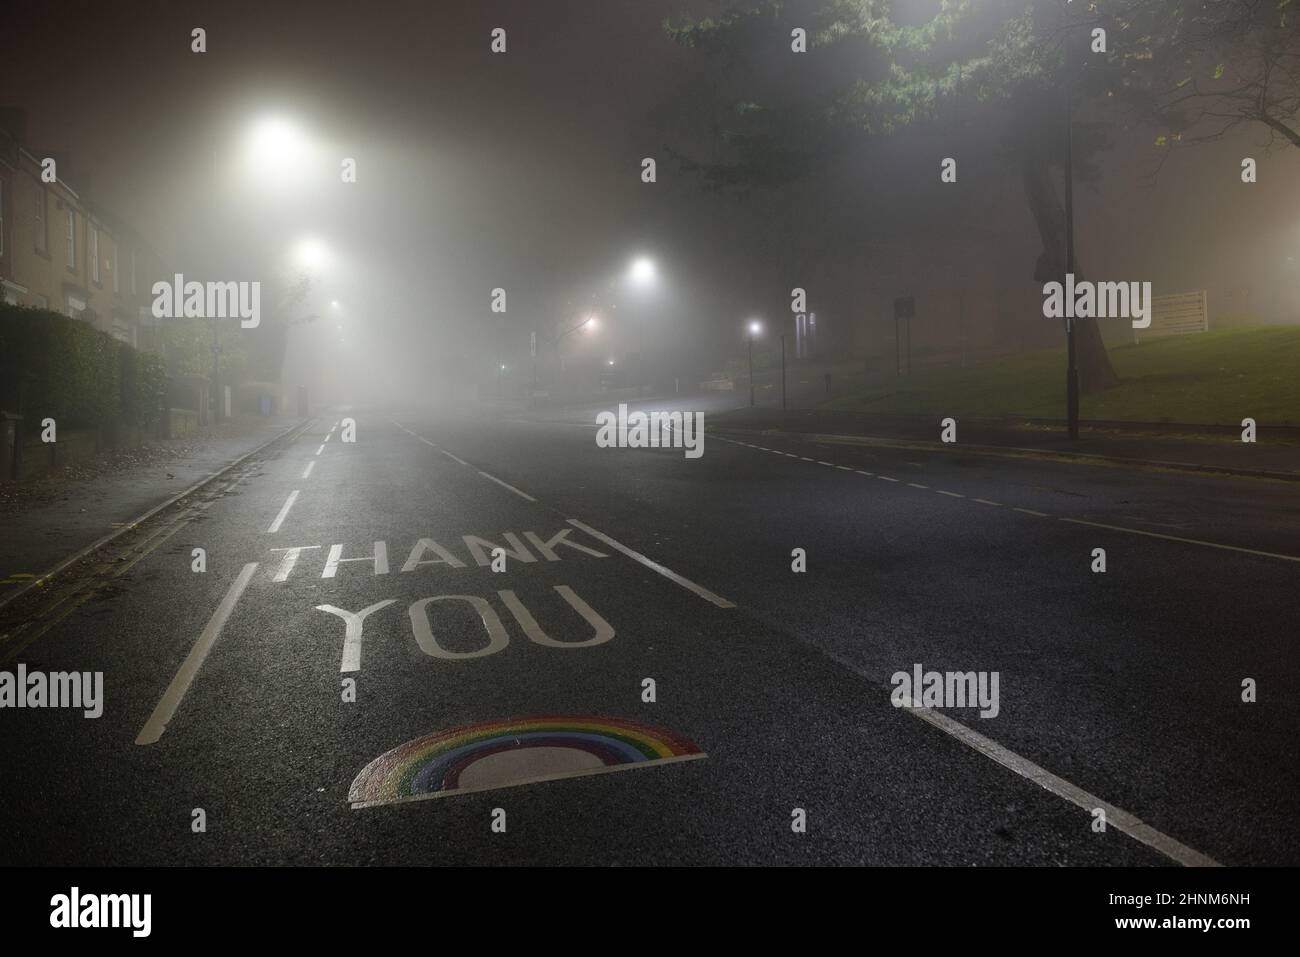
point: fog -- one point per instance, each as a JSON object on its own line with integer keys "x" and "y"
{"x": 521, "y": 172}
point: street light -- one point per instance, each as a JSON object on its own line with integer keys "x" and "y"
{"x": 277, "y": 153}
{"x": 642, "y": 272}
{"x": 755, "y": 327}
{"x": 312, "y": 254}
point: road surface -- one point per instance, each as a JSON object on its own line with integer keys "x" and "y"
{"x": 768, "y": 734}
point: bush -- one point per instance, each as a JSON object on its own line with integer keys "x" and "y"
{"x": 52, "y": 365}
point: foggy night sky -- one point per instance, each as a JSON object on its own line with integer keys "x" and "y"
{"x": 522, "y": 170}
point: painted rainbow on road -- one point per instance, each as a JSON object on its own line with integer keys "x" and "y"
{"x": 492, "y": 754}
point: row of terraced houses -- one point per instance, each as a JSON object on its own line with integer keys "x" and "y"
{"x": 61, "y": 250}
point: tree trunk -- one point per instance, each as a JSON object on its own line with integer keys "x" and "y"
{"x": 1095, "y": 371}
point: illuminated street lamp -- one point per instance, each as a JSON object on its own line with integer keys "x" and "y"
{"x": 312, "y": 254}
{"x": 755, "y": 327}
{"x": 642, "y": 272}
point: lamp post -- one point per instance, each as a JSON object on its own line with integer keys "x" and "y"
{"x": 755, "y": 327}
{"x": 1071, "y": 362}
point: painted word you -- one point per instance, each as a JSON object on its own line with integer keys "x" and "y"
{"x": 1098, "y": 300}
{"x": 651, "y": 430}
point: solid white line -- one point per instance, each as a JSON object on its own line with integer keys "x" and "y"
{"x": 844, "y": 467}
{"x": 450, "y": 456}
{"x": 307, "y": 471}
{"x": 831, "y": 464}
{"x": 279, "y": 519}
{"x": 1115, "y": 817}
{"x": 509, "y": 486}
{"x": 153, "y": 728}
{"x": 1188, "y": 541}
{"x": 653, "y": 565}
{"x": 1030, "y": 511}
{"x": 321, "y": 449}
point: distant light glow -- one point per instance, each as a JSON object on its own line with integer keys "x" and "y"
{"x": 642, "y": 272}
{"x": 755, "y": 327}
{"x": 312, "y": 254}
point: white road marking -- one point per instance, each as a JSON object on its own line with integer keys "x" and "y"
{"x": 1187, "y": 541}
{"x": 307, "y": 471}
{"x": 509, "y": 486}
{"x": 450, "y": 456}
{"x": 1115, "y": 817}
{"x": 653, "y": 565}
{"x": 829, "y": 464}
{"x": 284, "y": 512}
{"x": 950, "y": 494}
{"x": 1030, "y": 511}
{"x": 844, "y": 467}
{"x": 886, "y": 478}
{"x": 153, "y": 728}
{"x": 984, "y": 501}
{"x": 918, "y": 485}
{"x": 868, "y": 474}
{"x": 321, "y": 449}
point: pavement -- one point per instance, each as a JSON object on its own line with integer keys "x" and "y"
{"x": 50, "y": 518}
{"x": 243, "y": 693}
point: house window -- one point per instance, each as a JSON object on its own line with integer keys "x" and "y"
{"x": 72, "y": 239}
{"x": 93, "y": 253}
{"x": 41, "y": 237}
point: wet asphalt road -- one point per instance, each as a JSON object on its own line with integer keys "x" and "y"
{"x": 1124, "y": 686}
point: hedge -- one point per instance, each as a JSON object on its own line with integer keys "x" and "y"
{"x": 68, "y": 370}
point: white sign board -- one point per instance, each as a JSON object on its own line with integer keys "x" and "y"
{"x": 1177, "y": 315}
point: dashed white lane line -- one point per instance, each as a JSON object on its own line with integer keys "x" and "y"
{"x": 327, "y": 436}
{"x": 1037, "y": 514}
{"x": 1188, "y": 541}
{"x": 284, "y": 512}
{"x": 653, "y": 565}
{"x": 321, "y": 449}
{"x": 162, "y": 713}
{"x": 1131, "y": 825}
{"x": 307, "y": 471}
{"x": 507, "y": 485}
